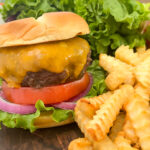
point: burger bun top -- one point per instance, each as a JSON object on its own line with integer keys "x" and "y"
{"x": 52, "y": 26}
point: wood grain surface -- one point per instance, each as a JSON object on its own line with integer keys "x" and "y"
{"x": 44, "y": 139}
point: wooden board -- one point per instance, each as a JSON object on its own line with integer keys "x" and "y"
{"x": 44, "y": 139}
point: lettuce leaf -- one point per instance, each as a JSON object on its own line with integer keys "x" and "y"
{"x": 27, "y": 121}
{"x": 112, "y": 22}
{"x": 98, "y": 74}
{"x": 34, "y": 8}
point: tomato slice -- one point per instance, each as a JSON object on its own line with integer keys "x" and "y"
{"x": 1, "y": 3}
{"x": 49, "y": 95}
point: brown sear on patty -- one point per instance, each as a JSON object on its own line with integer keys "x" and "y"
{"x": 44, "y": 78}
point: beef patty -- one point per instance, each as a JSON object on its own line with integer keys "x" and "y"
{"x": 45, "y": 78}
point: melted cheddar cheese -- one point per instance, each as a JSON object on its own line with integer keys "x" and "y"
{"x": 68, "y": 55}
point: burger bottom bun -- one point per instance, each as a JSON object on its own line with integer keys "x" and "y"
{"x": 45, "y": 121}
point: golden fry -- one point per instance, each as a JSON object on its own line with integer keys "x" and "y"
{"x": 119, "y": 72}
{"x": 117, "y": 126}
{"x": 130, "y": 133}
{"x": 123, "y": 143}
{"x": 127, "y": 55}
{"x": 111, "y": 64}
{"x": 86, "y": 108}
{"x": 142, "y": 91}
{"x": 141, "y": 49}
{"x": 80, "y": 144}
{"x": 142, "y": 73}
{"x": 98, "y": 128}
{"x": 115, "y": 79}
{"x": 81, "y": 119}
{"x": 94, "y": 102}
{"x": 104, "y": 144}
{"x": 138, "y": 112}
{"x": 144, "y": 55}
{"x": 85, "y": 144}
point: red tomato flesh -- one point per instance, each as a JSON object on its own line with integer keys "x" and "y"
{"x": 49, "y": 95}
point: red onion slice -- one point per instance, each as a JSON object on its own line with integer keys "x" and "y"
{"x": 70, "y": 104}
{"x": 15, "y": 108}
{"x": 65, "y": 105}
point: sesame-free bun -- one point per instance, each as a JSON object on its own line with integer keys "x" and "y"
{"x": 49, "y": 27}
{"x": 45, "y": 121}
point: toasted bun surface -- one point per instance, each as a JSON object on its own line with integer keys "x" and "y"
{"x": 45, "y": 121}
{"x": 49, "y": 27}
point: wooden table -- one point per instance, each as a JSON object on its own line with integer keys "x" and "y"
{"x": 44, "y": 139}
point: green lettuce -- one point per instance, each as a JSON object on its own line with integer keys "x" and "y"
{"x": 112, "y": 22}
{"x": 34, "y": 8}
{"x": 27, "y": 121}
{"x": 98, "y": 74}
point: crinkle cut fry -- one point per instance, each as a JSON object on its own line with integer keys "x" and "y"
{"x": 142, "y": 73}
{"x": 104, "y": 144}
{"x": 123, "y": 143}
{"x": 98, "y": 128}
{"x": 120, "y": 72}
{"x": 96, "y": 101}
{"x": 116, "y": 78}
{"x": 127, "y": 55}
{"x": 129, "y": 132}
{"x": 86, "y": 108}
{"x": 141, "y": 49}
{"x": 111, "y": 64}
{"x": 117, "y": 126}
{"x": 83, "y": 116}
{"x": 80, "y": 144}
{"x": 81, "y": 119}
{"x": 143, "y": 55}
{"x": 138, "y": 112}
{"x": 85, "y": 144}
{"x": 142, "y": 91}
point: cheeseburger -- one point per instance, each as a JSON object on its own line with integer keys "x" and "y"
{"x": 43, "y": 59}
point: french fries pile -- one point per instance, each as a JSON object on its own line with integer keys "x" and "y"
{"x": 120, "y": 118}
